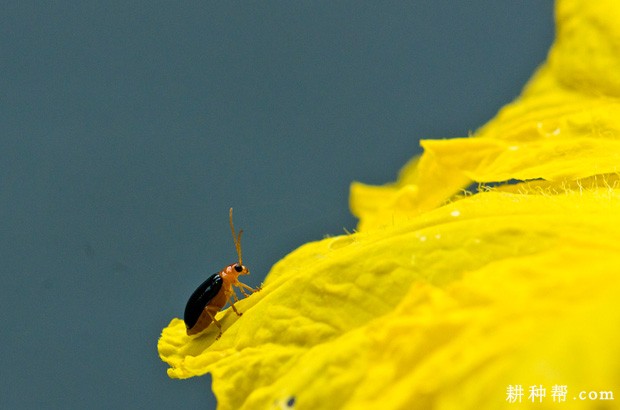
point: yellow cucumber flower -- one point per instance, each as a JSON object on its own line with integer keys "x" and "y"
{"x": 508, "y": 297}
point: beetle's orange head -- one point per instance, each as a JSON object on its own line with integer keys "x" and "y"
{"x": 235, "y": 269}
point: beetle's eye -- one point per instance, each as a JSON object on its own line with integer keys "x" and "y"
{"x": 238, "y": 268}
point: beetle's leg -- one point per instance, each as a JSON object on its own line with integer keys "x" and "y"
{"x": 232, "y": 304}
{"x": 219, "y": 326}
{"x": 241, "y": 286}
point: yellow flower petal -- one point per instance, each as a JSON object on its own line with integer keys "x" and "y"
{"x": 565, "y": 125}
{"x": 443, "y": 300}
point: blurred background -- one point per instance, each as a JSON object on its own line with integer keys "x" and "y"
{"x": 128, "y": 128}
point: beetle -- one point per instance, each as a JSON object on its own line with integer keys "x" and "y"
{"x": 213, "y": 294}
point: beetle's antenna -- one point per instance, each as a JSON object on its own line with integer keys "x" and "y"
{"x": 236, "y": 238}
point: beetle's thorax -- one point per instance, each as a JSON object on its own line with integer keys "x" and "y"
{"x": 230, "y": 273}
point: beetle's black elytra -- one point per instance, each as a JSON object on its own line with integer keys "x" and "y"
{"x": 201, "y": 298}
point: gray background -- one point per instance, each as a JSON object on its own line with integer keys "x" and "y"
{"x": 128, "y": 129}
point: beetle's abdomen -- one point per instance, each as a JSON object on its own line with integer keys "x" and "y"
{"x": 201, "y": 298}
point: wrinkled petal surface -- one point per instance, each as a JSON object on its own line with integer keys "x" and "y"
{"x": 442, "y": 299}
